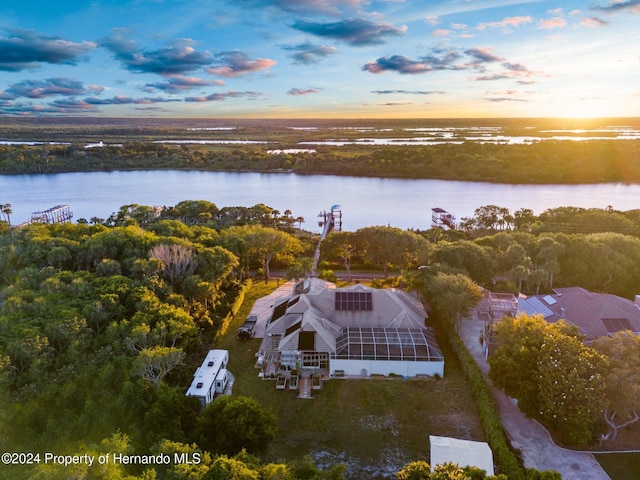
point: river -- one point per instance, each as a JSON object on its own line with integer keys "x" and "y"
{"x": 404, "y": 203}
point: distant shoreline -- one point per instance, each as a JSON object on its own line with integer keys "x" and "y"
{"x": 499, "y": 151}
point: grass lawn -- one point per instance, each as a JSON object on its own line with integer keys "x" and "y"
{"x": 374, "y": 426}
{"x": 620, "y": 466}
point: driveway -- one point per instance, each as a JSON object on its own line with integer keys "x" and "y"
{"x": 263, "y": 307}
{"x": 528, "y": 436}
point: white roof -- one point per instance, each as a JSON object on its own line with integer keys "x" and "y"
{"x": 315, "y": 310}
{"x": 391, "y": 308}
{"x": 206, "y": 373}
{"x": 464, "y": 453}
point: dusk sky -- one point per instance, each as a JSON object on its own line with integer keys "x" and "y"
{"x": 320, "y": 58}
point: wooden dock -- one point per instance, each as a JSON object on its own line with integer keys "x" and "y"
{"x": 57, "y": 214}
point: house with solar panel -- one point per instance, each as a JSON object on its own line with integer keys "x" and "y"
{"x": 595, "y": 314}
{"x": 321, "y": 331}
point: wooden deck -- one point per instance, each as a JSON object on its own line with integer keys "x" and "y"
{"x": 305, "y": 387}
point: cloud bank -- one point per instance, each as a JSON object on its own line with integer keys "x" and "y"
{"x": 179, "y": 57}
{"x": 356, "y": 32}
{"x": 26, "y": 49}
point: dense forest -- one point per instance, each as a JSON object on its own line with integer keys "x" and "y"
{"x": 103, "y": 322}
{"x": 551, "y": 161}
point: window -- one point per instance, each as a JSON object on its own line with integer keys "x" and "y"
{"x": 293, "y": 328}
{"x": 307, "y": 340}
{"x": 279, "y": 311}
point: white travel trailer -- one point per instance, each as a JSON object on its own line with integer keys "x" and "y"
{"x": 211, "y": 378}
{"x": 221, "y": 381}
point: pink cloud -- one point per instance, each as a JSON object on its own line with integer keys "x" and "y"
{"x": 593, "y": 22}
{"x": 236, "y": 64}
{"x": 505, "y": 23}
{"x": 555, "y": 22}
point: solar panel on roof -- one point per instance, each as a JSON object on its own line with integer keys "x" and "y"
{"x": 353, "y": 302}
{"x": 532, "y": 306}
{"x": 614, "y": 325}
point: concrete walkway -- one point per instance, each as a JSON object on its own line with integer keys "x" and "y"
{"x": 528, "y": 436}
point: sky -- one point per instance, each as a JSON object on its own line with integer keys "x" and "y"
{"x": 320, "y": 58}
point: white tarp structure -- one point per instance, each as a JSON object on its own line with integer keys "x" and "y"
{"x": 464, "y": 453}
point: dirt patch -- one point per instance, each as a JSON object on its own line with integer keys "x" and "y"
{"x": 387, "y": 423}
{"x": 385, "y": 465}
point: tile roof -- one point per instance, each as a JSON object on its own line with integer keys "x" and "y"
{"x": 595, "y": 314}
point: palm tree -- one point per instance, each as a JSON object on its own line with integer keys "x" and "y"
{"x": 5, "y": 208}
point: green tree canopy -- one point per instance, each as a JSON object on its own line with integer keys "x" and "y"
{"x": 230, "y": 424}
{"x": 263, "y": 244}
{"x": 552, "y": 374}
{"x": 452, "y": 295}
{"x": 572, "y": 387}
{"x": 622, "y": 380}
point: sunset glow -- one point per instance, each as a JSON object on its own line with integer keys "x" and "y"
{"x": 321, "y": 58}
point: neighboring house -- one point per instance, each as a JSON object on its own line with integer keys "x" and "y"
{"x": 210, "y": 378}
{"x": 321, "y": 330}
{"x": 595, "y": 314}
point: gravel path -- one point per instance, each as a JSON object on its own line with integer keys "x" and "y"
{"x": 532, "y": 439}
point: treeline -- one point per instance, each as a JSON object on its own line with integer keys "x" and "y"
{"x": 558, "y": 162}
{"x": 531, "y": 258}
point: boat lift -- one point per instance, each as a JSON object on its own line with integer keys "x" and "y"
{"x": 57, "y": 214}
{"x": 440, "y": 218}
{"x": 331, "y": 220}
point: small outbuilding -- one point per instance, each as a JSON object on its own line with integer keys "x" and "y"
{"x": 464, "y": 453}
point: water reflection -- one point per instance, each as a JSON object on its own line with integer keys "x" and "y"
{"x": 404, "y": 203}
